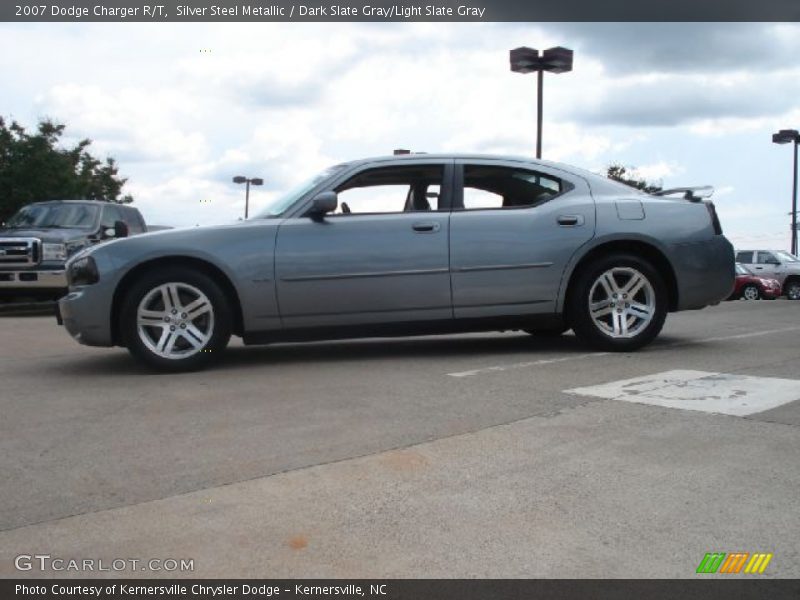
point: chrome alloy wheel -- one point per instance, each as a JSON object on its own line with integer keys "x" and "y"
{"x": 793, "y": 291}
{"x": 750, "y": 293}
{"x": 622, "y": 302}
{"x": 175, "y": 320}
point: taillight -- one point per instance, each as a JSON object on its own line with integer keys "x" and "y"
{"x": 712, "y": 212}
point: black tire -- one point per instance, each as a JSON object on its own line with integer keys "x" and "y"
{"x": 202, "y": 352}
{"x": 582, "y": 321}
{"x": 792, "y": 289}
{"x": 750, "y": 292}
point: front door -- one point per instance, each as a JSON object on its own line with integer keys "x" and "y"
{"x": 381, "y": 257}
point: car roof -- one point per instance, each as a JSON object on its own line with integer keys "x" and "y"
{"x": 455, "y": 156}
{"x": 72, "y": 202}
{"x": 415, "y": 156}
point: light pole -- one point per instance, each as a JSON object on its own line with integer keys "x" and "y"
{"x": 552, "y": 60}
{"x": 785, "y": 136}
{"x": 245, "y": 180}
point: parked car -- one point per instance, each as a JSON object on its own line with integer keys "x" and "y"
{"x": 749, "y": 286}
{"x": 37, "y": 240}
{"x": 408, "y": 245}
{"x": 774, "y": 264}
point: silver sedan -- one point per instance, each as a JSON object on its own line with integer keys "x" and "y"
{"x": 409, "y": 245}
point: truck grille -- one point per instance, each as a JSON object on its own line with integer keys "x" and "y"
{"x": 19, "y": 252}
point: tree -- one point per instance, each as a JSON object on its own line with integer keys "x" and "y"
{"x": 34, "y": 167}
{"x": 627, "y": 175}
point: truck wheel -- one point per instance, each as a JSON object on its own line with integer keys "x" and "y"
{"x": 751, "y": 292}
{"x": 793, "y": 289}
{"x": 618, "y": 303}
{"x": 176, "y": 320}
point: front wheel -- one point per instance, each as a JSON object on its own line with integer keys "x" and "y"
{"x": 618, "y": 303}
{"x": 176, "y": 320}
{"x": 751, "y": 292}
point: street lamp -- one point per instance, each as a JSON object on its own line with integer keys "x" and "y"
{"x": 786, "y": 136}
{"x": 254, "y": 181}
{"x": 552, "y": 60}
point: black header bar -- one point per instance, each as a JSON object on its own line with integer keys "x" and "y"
{"x": 733, "y": 588}
{"x": 399, "y": 12}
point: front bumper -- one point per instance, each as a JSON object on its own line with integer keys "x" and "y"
{"x": 33, "y": 280}
{"x": 85, "y": 314}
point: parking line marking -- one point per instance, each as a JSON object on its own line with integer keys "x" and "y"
{"x": 523, "y": 365}
{"x": 549, "y": 361}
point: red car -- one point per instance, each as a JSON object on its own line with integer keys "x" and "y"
{"x": 752, "y": 287}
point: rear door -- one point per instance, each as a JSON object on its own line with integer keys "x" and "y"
{"x": 514, "y": 228}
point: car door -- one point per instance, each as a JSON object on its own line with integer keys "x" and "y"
{"x": 382, "y": 257}
{"x": 513, "y": 229}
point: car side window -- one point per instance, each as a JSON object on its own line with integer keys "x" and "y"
{"x": 766, "y": 258}
{"x": 488, "y": 186}
{"x": 410, "y": 188}
{"x": 111, "y": 214}
{"x": 132, "y": 220}
{"x": 744, "y": 257}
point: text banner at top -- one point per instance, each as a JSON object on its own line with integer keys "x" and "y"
{"x": 397, "y": 12}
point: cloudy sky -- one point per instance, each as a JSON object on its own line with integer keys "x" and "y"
{"x": 184, "y": 107}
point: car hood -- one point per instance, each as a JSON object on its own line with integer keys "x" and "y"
{"x": 45, "y": 234}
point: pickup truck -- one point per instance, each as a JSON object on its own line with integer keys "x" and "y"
{"x": 774, "y": 264}
{"x": 37, "y": 240}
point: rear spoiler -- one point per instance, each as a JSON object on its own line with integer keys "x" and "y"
{"x": 693, "y": 194}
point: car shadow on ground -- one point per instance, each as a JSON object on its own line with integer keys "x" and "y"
{"x": 117, "y": 361}
{"x": 400, "y": 348}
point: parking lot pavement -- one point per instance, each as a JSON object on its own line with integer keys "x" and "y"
{"x": 478, "y": 455}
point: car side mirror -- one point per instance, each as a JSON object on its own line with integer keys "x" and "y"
{"x": 323, "y": 203}
{"x": 120, "y": 229}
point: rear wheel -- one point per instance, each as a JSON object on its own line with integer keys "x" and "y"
{"x": 176, "y": 320}
{"x": 751, "y": 292}
{"x": 618, "y": 303}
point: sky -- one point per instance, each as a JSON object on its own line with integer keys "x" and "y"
{"x": 183, "y": 107}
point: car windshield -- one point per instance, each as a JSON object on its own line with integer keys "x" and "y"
{"x": 742, "y": 270}
{"x": 786, "y": 257}
{"x": 280, "y": 204}
{"x": 58, "y": 216}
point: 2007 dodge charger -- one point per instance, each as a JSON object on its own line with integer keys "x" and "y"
{"x": 409, "y": 245}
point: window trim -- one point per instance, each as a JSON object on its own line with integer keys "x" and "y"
{"x": 458, "y": 184}
{"x": 446, "y": 187}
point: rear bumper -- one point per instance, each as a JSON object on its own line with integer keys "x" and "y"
{"x": 705, "y": 272}
{"x": 25, "y": 280}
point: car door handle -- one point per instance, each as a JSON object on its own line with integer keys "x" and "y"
{"x": 570, "y": 220}
{"x": 426, "y": 227}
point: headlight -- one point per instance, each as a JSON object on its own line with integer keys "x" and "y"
{"x": 82, "y": 271}
{"x": 54, "y": 252}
